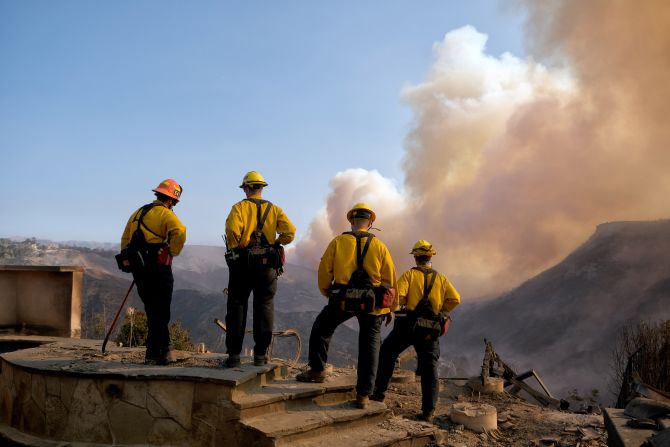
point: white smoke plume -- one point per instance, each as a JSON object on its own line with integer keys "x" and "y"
{"x": 348, "y": 188}
{"x": 511, "y": 163}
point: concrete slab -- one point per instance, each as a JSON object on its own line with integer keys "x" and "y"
{"x": 621, "y": 435}
{"x": 84, "y": 358}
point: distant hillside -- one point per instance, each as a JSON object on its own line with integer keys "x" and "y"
{"x": 564, "y": 322}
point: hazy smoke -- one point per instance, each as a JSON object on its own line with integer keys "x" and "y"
{"x": 511, "y": 163}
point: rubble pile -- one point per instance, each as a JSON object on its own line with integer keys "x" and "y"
{"x": 520, "y": 423}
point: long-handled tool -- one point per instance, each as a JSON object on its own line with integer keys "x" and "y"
{"x": 118, "y": 312}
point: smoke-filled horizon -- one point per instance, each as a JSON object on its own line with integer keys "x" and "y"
{"x": 511, "y": 163}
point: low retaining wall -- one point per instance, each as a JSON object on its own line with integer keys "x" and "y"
{"x": 54, "y": 398}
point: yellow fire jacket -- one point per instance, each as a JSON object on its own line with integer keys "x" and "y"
{"x": 241, "y": 223}
{"x": 443, "y": 296}
{"x": 339, "y": 262}
{"x": 162, "y": 221}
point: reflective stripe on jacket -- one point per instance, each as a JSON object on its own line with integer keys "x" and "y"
{"x": 339, "y": 262}
{"x": 443, "y": 296}
{"x": 241, "y": 223}
{"x": 160, "y": 220}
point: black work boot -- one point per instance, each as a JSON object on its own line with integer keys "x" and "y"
{"x": 377, "y": 397}
{"x": 362, "y": 401}
{"x": 167, "y": 357}
{"x": 427, "y": 416}
{"x": 233, "y": 361}
{"x": 311, "y": 376}
{"x": 260, "y": 360}
{"x": 151, "y": 357}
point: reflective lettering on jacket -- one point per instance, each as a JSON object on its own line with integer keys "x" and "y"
{"x": 241, "y": 223}
{"x": 443, "y": 296}
{"x": 162, "y": 221}
{"x": 339, "y": 262}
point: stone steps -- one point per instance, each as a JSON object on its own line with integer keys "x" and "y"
{"x": 311, "y": 422}
{"x": 250, "y": 378}
{"x": 288, "y": 394}
{"x": 285, "y": 412}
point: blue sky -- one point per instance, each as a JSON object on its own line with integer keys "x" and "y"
{"x": 100, "y": 101}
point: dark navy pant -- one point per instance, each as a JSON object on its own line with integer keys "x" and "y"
{"x": 428, "y": 353}
{"x": 369, "y": 338}
{"x": 241, "y": 283}
{"x": 154, "y": 285}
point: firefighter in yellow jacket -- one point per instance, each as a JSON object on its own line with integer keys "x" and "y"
{"x": 161, "y": 237}
{"x": 427, "y": 297}
{"x": 349, "y": 296}
{"x": 255, "y": 231}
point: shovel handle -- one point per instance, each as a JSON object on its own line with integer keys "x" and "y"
{"x": 118, "y": 312}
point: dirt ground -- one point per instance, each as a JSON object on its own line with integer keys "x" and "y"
{"x": 520, "y": 423}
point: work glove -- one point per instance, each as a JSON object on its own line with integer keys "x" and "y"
{"x": 164, "y": 256}
{"x": 444, "y": 319}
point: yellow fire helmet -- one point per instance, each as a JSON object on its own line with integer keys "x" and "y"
{"x": 361, "y": 210}
{"x": 423, "y": 248}
{"x": 253, "y": 178}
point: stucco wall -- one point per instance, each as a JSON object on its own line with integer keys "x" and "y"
{"x": 44, "y": 300}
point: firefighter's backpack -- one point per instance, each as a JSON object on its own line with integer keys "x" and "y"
{"x": 357, "y": 295}
{"x": 139, "y": 254}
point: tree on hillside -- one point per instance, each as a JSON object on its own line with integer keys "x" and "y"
{"x": 643, "y": 349}
{"x": 180, "y": 337}
{"x": 98, "y": 327}
{"x": 134, "y": 330}
{"x": 135, "y": 326}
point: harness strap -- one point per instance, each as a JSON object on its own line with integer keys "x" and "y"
{"x": 359, "y": 235}
{"x": 361, "y": 255}
{"x": 426, "y": 286}
{"x": 143, "y": 212}
{"x": 260, "y": 219}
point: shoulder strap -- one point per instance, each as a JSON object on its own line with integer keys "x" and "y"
{"x": 260, "y": 220}
{"x": 427, "y": 287}
{"x": 259, "y": 237}
{"x": 360, "y": 255}
{"x": 143, "y": 212}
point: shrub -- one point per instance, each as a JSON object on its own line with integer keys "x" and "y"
{"x": 179, "y": 336}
